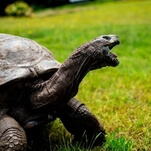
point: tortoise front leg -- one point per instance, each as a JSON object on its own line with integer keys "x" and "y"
{"x": 12, "y": 136}
{"x": 80, "y": 122}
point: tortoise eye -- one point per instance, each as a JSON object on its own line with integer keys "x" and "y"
{"x": 107, "y": 37}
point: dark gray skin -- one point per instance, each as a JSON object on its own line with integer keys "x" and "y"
{"x": 35, "y": 89}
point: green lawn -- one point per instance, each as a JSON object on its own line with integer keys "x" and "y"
{"x": 120, "y": 97}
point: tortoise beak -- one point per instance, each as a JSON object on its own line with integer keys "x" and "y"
{"x": 112, "y": 41}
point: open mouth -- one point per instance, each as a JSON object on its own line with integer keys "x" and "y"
{"x": 112, "y": 57}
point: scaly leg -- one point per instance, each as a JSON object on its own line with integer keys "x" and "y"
{"x": 80, "y": 122}
{"x": 12, "y": 135}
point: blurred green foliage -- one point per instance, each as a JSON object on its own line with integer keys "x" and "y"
{"x": 35, "y": 3}
{"x": 18, "y": 8}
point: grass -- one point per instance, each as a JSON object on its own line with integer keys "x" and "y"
{"x": 120, "y": 97}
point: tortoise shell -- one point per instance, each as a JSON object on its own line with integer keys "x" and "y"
{"x": 22, "y": 58}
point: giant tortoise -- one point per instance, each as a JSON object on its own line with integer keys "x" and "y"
{"x": 35, "y": 89}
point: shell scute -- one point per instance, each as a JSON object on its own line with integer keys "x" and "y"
{"x": 19, "y": 55}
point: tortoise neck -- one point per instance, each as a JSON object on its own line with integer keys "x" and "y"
{"x": 63, "y": 85}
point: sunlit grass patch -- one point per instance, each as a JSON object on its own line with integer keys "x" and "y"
{"x": 115, "y": 143}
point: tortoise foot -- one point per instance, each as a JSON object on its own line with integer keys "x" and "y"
{"x": 80, "y": 122}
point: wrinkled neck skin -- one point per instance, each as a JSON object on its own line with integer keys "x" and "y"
{"x": 63, "y": 85}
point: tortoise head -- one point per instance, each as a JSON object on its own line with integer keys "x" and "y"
{"x": 103, "y": 56}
